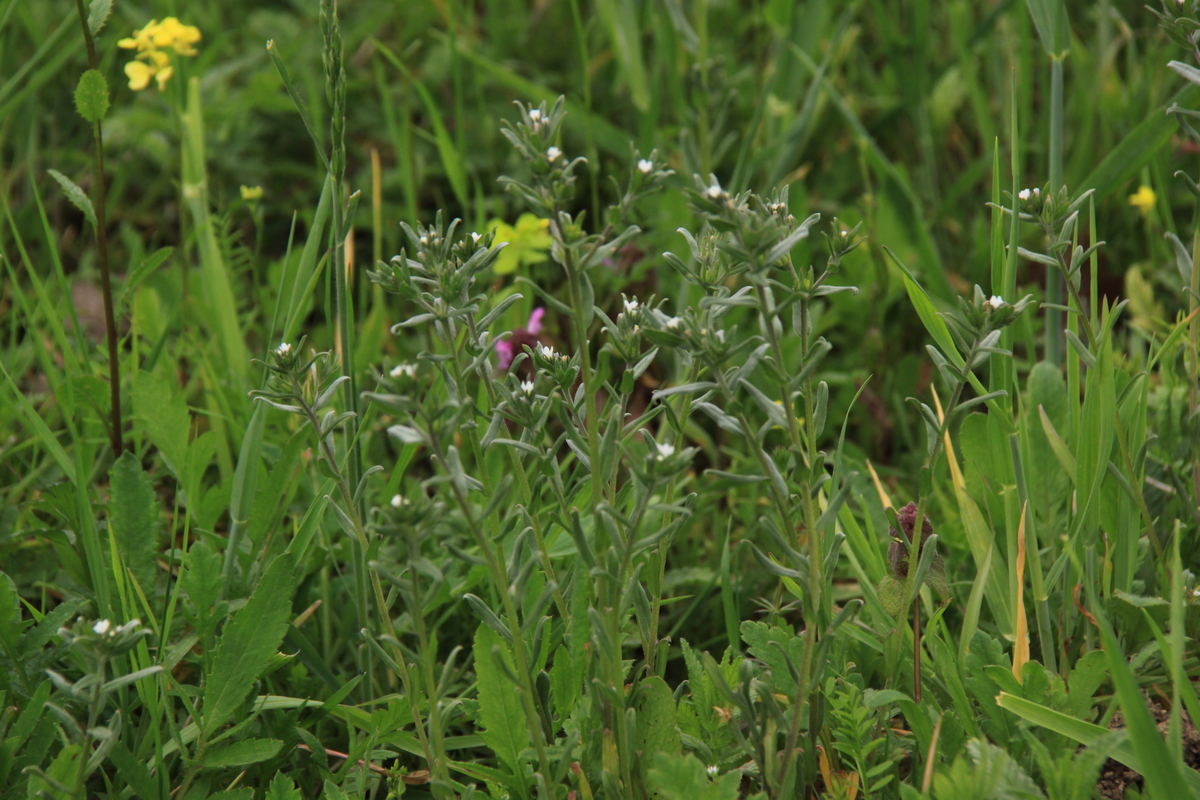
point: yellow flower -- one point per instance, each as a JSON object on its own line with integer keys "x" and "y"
{"x": 527, "y": 242}
{"x": 142, "y": 40}
{"x": 173, "y": 33}
{"x": 252, "y": 193}
{"x": 1143, "y": 200}
{"x": 150, "y": 43}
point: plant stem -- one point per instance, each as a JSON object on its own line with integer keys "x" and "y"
{"x": 110, "y": 326}
{"x": 1054, "y": 293}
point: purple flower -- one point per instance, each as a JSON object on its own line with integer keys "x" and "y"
{"x": 507, "y": 349}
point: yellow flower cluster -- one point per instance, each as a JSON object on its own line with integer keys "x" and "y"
{"x": 152, "y": 43}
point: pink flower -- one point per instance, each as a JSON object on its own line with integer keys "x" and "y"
{"x": 507, "y": 349}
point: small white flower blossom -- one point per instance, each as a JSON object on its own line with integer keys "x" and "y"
{"x": 1023, "y": 194}
{"x": 475, "y": 237}
{"x": 545, "y": 351}
{"x": 552, "y": 154}
{"x": 527, "y": 387}
{"x": 631, "y": 306}
{"x": 665, "y": 450}
{"x": 404, "y": 370}
{"x": 535, "y": 115}
{"x": 399, "y": 501}
{"x": 994, "y": 302}
{"x": 101, "y": 627}
{"x": 714, "y": 192}
{"x": 645, "y": 165}
{"x": 283, "y": 350}
{"x": 673, "y": 323}
{"x": 712, "y": 770}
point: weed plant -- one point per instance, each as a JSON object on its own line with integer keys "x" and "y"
{"x": 703, "y": 437}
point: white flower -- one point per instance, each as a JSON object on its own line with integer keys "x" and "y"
{"x": 714, "y": 192}
{"x": 1023, "y": 194}
{"x": 475, "y": 237}
{"x": 1029, "y": 194}
{"x": 101, "y": 627}
{"x": 645, "y": 166}
{"x": 631, "y": 306}
{"x": 665, "y": 450}
{"x": 404, "y": 370}
{"x": 545, "y": 351}
{"x": 535, "y": 115}
{"x": 995, "y": 301}
{"x": 712, "y": 770}
{"x": 527, "y": 387}
{"x": 399, "y": 500}
{"x": 673, "y": 323}
{"x": 283, "y": 350}
{"x": 552, "y": 154}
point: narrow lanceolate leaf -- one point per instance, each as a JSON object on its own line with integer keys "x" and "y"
{"x": 500, "y": 711}
{"x": 91, "y": 96}
{"x": 248, "y": 642}
{"x": 133, "y": 518}
{"x": 76, "y": 195}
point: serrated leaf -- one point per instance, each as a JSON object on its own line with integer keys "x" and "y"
{"x": 760, "y": 641}
{"x": 98, "y": 14}
{"x": 164, "y": 415}
{"x": 247, "y": 751}
{"x": 282, "y": 788}
{"x": 91, "y": 96}
{"x": 657, "y": 720}
{"x": 248, "y": 642}
{"x": 500, "y": 710}
{"x": 76, "y": 195}
{"x": 133, "y": 518}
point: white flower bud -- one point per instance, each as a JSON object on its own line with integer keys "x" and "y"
{"x": 665, "y": 450}
{"x": 645, "y": 166}
{"x": 283, "y": 350}
{"x": 552, "y": 154}
{"x": 101, "y": 627}
{"x": 527, "y": 387}
{"x": 545, "y": 351}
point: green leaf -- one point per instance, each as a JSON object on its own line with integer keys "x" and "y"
{"x": 673, "y": 776}
{"x": 91, "y": 96}
{"x": 164, "y": 414}
{"x": 759, "y": 638}
{"x": 282, "y": 788}
{"x": 621, "y": 21}
{"x": 657, "y": 722}
{"x": 248, "y": 642}
{"x": 143, "y": 270}
{"x": 892, "y": 595}
{"x": 247, "y": 751}
{"x": 98, "y": 14}
{"x": 76, "y": 195}
{"x": 500, "y": 710}
{"x": 133, "y": 518}
{"x": 1050, "y": 18}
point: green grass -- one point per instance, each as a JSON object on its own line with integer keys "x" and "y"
{"x": 662, "y": 559}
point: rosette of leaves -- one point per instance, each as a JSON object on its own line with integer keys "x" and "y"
{"x": 893, "y": 589}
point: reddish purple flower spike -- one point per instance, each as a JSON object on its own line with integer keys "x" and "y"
{"x": 507, "y": 349}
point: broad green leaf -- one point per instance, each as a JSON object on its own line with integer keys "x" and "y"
{"x": 76, "y": 195}
{"x": 504, "y": 728}
{"x": 673, "y": 776}
{"x": 892, "y": 595}
{"x": 248, "y": 642}
{"x": 91, "y": 96}
{"x": 657, "y": 723}
{"x": 165, "y": 419}
{"x": 237, "y": 754}
{"x": 133, "y": 518}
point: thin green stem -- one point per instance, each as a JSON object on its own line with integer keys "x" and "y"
{"x": 1054, "y": 293}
